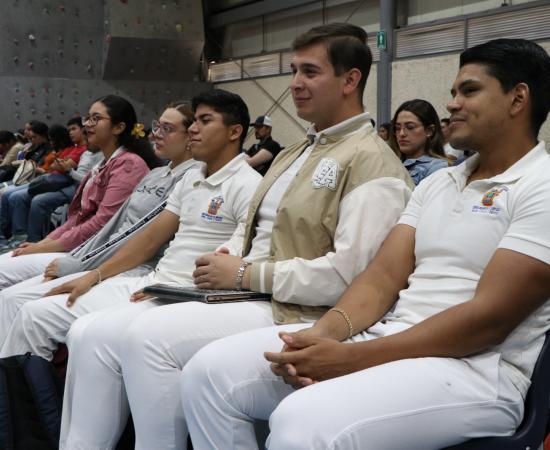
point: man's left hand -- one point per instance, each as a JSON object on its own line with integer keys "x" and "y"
{"x": 216, "y": 271}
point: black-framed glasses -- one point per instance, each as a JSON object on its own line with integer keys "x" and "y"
{"x": 161, "y": 128}
{"x": 92, "y": 120}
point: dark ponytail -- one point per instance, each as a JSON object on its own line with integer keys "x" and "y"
{"x": 121, "y": 110}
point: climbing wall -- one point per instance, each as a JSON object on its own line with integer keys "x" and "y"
{"x": 57, "y": 56}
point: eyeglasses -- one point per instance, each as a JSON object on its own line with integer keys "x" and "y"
{"x": 162, "y": 129}
{"x": 407, "y": 128}
{"x": 93, "y": 120}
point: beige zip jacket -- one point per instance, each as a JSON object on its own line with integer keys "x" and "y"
{"x": 331, "y": 220}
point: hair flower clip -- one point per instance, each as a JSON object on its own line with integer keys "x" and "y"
{"x": 138, "y": 130}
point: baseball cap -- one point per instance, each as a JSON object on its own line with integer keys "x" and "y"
{"x": 263, "y": 120}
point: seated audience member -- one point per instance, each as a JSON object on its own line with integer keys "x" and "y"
{"x": 312, "y": 226}
{"x": 9, "y": 166}
{"x": 261, "y": 154}
{"x": 20, "y": 210}
{"x": 60, "y": 141}
{"x": 100, "y": 194}
{"x": 9, "y": 147}
{"x": 417, "y": 136}
{"x": 40, "y": 143}
{"x": 451, "y": 153}
{"x": 384, "y": 131}
{"x": 37, "y": 152}
{"x": 145, "y": 203}
{"x": 435, "y": 342}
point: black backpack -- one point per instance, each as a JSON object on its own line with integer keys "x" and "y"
{"x": 31, "y": 397}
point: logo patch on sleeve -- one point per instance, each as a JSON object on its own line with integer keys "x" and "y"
{"x": 326, "y": 174}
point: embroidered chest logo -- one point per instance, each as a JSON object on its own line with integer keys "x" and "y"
{"x": 487, "y": 201}
{"x": 326, "y": 174}
{"x": 213, "y": 207}
{"x": 490, "y": 196}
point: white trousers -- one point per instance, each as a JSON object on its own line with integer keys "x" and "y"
{"x": 413, "y": 404}
{"x": 134, "y": 354}
{"x": 20, "y": 268}
{"x": 14, "y": 297}
{"x": 32, "y": 323}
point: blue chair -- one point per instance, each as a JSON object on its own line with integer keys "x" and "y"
{"x": 533, "y": 429}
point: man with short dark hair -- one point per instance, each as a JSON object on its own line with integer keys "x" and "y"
{"x": 435, "y": 342}
{"x": 261, "y": 154}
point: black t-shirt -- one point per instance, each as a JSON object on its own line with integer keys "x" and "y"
{"x": 38, "y": 154}
{"x": 271, "y": 146}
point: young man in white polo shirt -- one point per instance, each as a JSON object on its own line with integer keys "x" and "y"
{"x": 323, "y": 209}
{"x": 441, "y": 334}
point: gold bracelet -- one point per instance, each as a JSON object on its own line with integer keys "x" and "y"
{"x": 346, "y": 318}
{"x": 98, "y": 276}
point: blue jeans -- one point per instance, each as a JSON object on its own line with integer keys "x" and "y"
{"x": 6, "y": 210}
{"x": 31, "y": 215}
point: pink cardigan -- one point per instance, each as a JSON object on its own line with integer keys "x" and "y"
{"x": 112, "y": 185}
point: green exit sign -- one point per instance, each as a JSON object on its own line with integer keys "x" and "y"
{"x": 381, "y": 39}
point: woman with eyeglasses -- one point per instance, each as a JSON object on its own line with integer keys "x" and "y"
{"x": 145, "y": 203}
{"x": 417, "y": 137}
{"x": 101, "y": 193}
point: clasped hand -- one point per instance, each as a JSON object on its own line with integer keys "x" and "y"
{"x": 216, "y": 270}
{"x": 306, "y": 359}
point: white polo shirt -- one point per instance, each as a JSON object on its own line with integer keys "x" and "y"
{"x": 459, "y": 228}
{"x": 209, "y": 211}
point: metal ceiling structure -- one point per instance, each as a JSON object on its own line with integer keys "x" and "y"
{"x": 225, "y": 12}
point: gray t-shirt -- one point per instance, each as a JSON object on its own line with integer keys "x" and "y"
{"x": 146, "y": 202}
{"x": 87, "y": 161}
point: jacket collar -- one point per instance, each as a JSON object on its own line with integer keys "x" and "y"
{"x": 340, "y": 130}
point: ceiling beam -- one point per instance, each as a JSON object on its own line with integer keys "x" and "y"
{"x": 253, "y": 10}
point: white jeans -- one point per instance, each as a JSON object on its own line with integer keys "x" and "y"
{"x": 135, "y": 354}
{"x": 14, "y": 297}
{"x": 20, "y": 268}
{"x": 32, "y": 323}
{"x": 413, "y": 404}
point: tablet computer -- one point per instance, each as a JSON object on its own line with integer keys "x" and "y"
{"x": 193, "y": 294}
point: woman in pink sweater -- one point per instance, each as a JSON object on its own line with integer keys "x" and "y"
{"x": 109, "y": 125}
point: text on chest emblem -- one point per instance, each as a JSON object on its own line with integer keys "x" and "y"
{"x": 213, "y": 207}
{"x": 326, "y": 174}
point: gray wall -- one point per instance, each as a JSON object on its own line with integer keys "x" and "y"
{"x": 58, "y": 56}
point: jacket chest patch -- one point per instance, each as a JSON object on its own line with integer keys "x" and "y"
{"x": 326, "y": 174}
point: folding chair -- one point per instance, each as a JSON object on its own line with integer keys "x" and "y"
{"x": 533, "y": 429}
